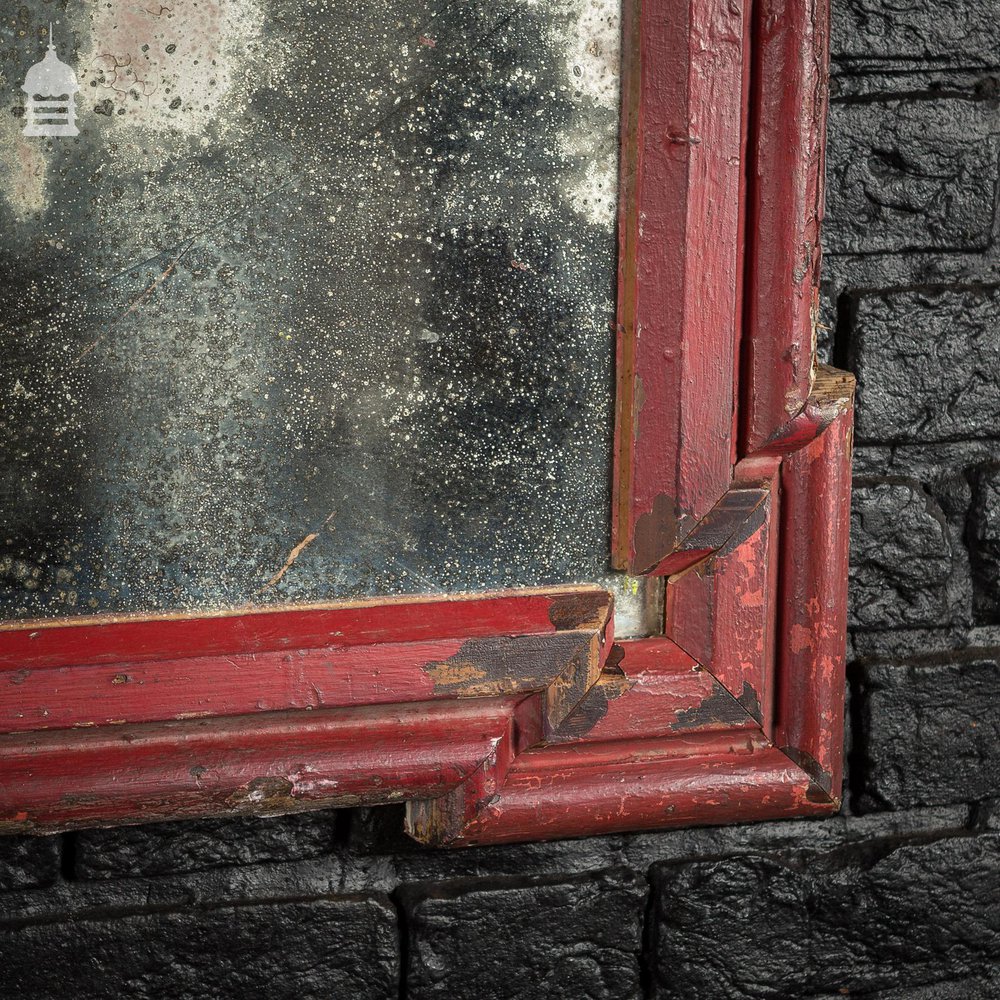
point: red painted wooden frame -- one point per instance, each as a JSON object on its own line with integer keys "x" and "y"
{"x": 503, "y": 717}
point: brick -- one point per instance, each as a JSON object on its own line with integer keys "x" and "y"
{"x": 928, "y": 365}
{"x": 910, "y": 175}
{"x": 929, "y": 732}
{"x": 955, "y": 31}
{"x": 989, "y": 814}
{"x": 379, "y": 856}
{"x": 983, "y": 536}
{"x": 170, "y": 848}
{"x": 910, "y": 643}
{"x": 981, "y": 987}
{"x": 321, "y": 948}
{"x": 575, "y": 939}
{"x": 901, "y": 556}
{"x": 877, "y": 916}
{"x": 29, "y": 862}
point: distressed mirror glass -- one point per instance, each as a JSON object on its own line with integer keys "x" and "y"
{"x": 318, "y": 304}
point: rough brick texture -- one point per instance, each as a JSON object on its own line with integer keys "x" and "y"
{"x": 928, "y": 365}
{"x": 29, "y": 861}
{"x": 984, "y": 541}
{"x": 169, "y": 848}
{"x": 299, "y": 950}
{"x": 930, "y": 731}
{"x": 573, "y": 940}
{"x": 874, "y": 918}
{"x": 912, "y": 289}
{"x": 895, "y": 185}
{"x": 953, "y": 32}
{"x": 901, "y": 558}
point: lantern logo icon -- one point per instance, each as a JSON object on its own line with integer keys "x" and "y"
{"x": 51, "y": 87}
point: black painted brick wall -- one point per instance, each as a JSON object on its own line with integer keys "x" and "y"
{"x": 898, "y": 897}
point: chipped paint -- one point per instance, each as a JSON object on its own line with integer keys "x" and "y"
{"x": 612, "y": 685}
{"x": 490, "y": 666}
{"x": 656, "y": 532}
{"x": 580, "y": 611}
{"x": 456, "y": 674}
{"x": 720, "y": 709}
{"x": 263, "y": 795}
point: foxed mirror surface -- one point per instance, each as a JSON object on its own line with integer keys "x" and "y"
{"x": 318, "y": 304}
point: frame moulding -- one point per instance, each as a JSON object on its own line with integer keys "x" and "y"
{"x": 516, "y": 716}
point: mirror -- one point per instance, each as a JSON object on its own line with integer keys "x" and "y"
{"x": 318, "y": 305}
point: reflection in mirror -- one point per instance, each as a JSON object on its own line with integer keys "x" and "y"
{"x": 318, "y": 305}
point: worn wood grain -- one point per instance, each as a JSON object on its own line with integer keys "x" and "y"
{"x": 636, "y": 768}
{"x": 644, "y": 785}
{"x": 266, "y": 763}
{"x": 668, "y": 692}
{"x": 815, "y": 540}
{"x": 722, "y": 611}
{"x": 789, "y": 101}
{"x": 120, "y": 721}
{"x": 106, "y": 673}
{"x": 680, "y": 226}
{"x": 102, "y": 639}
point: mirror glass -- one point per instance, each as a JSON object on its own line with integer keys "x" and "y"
{"x": 318, "y": 304}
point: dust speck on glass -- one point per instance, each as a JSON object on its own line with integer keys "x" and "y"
{"x": 318, "y": 304}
